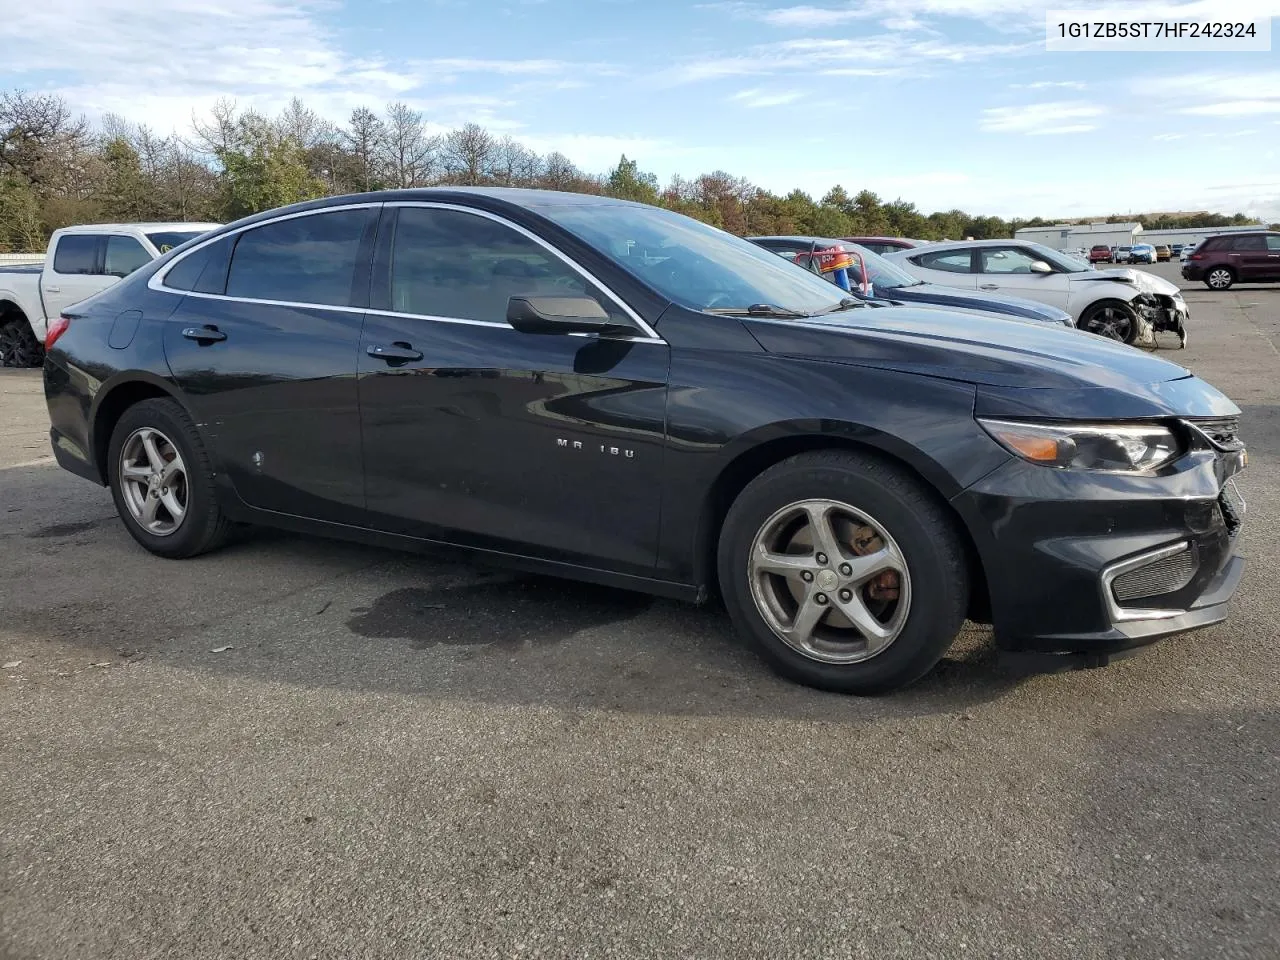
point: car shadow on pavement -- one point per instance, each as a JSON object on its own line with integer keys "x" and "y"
{"x": 474, "y": 634}
{"x": 280, "y": 607}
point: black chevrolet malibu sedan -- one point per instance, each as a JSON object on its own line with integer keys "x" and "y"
{"x": 613, "y": 392}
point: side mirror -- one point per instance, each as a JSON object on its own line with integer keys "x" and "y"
{"x": 1041, "y": 267}
{"x": 562, "y": 315}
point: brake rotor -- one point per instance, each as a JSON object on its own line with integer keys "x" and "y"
{"x": 861, "y": 540}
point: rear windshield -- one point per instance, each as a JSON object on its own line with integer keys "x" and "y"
{"x": 166, "y": 240}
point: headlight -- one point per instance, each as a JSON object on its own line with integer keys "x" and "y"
{"x": 1119, "y": 448}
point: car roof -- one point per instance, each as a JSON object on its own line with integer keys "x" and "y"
{"x": 144, "y": 227}
{"x": 827, "y": 241}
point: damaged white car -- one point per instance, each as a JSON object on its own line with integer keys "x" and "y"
{"x": 1123, "y": 304}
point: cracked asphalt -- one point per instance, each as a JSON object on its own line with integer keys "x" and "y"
{"x": 300, "y": 748}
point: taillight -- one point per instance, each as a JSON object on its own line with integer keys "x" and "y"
{"x": 56, "y": 329}
{"x": 1196, "y": 256}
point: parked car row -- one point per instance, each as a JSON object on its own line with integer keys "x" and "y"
{"x": 876, "y": 280}
{"x": 614, "y": 392}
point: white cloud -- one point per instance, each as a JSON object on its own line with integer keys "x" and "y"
{"x": 1001, "y": 14}
{"x": 1169, "y": 136}
{"x": 1043, "y": 118}
{"x": 876, "y": 55}
{"x": 1050, "y": 85}
{"x": 1234, "y": 108}
{"x": 755, "y": 99}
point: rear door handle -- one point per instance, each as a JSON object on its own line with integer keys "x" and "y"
{"x": 52, "y": 289}
{"x": 204, "y": 334}
{"x": 988, "y": 286}
{"x": 398, "y": 352}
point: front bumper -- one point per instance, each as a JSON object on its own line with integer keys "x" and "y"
{"x": 1054, "y": 542}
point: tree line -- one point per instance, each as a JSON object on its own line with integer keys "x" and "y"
{"x": 58, "y": 169}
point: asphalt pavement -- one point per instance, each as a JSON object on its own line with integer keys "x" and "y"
{"x": 300, "y": 748}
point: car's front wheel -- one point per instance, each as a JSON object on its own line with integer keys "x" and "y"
{"x": 845, "y": 571}
{"x": 1219, "y": 278}
{"x": 162, "y": 481}
{"x": 1111, "y": 318}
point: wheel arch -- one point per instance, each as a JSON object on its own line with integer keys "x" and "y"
{"x": 747, "y": 464}
{"x": 113, "y": 399}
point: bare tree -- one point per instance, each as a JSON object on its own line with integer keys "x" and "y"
{"x": 560, "y": 173}
{"x": 221, "y": 134}
{"x": 515, "y": 165}
{"x": 41, "y": 143}
{"x": 468, "y": 154}
{"x": 366, "y": 138}
{"x": 411, "y": 155}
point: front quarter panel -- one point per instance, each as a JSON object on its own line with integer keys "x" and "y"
{"x": 724, "y": 405}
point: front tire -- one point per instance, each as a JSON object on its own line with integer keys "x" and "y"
{"x": 1219, "y": 278}
{"x": 844, "y": 571}
{"x": 1113, "y": 319}
{"x": 162, "y": 481}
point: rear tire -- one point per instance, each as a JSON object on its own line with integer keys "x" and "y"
{"x": 177, "y": 514}
{"x": 18, "y": 344}
{"x": 858, "y": 493}
{"x": 1220, "y": 278}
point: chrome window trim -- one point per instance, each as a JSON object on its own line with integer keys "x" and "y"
{"x": 650, "y": 333}
{"x": 1121, "y": 614}
{"x": 156, "y": 280}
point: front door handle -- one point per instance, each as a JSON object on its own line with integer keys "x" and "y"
{"x": 52, "y": 289}
{"x": 988, "y": 286}
{"x": 398, "y": 352}
{"x": 207, "y": 334}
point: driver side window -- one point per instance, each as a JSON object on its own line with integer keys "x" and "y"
{"x": 457, "y": 265}
{"x": 1006, "y": 260}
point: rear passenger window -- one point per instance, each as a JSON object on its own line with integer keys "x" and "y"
{"x": 1273, "y": 242}
{"x": 123, "y": 256}
{"x": 76, "y": 254}
{"x": 445, "y": 263}
{"x": 204, "y": 270}
{"x": 1248, "y": 243}
{"x": 955, "y": 261}
{"x": 309, "y": 259}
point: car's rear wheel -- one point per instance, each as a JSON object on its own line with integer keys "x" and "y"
{"x": 162, "y": 481}
{"x": 1111, "y": 318}
{"x": 845, "y": 571}
{"x": 1219, "y": 278}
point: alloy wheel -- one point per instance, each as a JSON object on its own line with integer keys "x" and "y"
{"x": 153, "y": 480}
{"x": 1110, "y": 322}
{"x": 830, "y": 581}
{"x": 1219, "y": 279}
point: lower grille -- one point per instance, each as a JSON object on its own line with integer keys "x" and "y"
{"x": 1166, "y": 575}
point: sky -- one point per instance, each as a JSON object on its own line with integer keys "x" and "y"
{"x": 944, "y": 103}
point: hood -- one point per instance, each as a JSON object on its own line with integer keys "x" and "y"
{"x": 944, "y": 296}
{"x": 1020, "y": 369}
{"x": 1146, "y": 282}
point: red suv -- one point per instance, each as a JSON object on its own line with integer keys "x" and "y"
{"x": 1100, "y": 254}
{"x": 1231, "y": 258}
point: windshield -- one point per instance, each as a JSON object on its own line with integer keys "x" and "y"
{"x": 166, "y": 240}
{"x": 1057, "y": 258}
{"x": 884, "y": 275}
{"x": 694, "y": 265}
